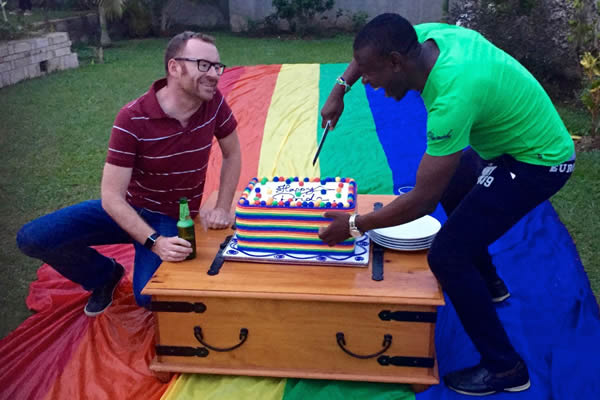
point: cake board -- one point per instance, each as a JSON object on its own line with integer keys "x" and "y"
{"x": 360, "y": 257}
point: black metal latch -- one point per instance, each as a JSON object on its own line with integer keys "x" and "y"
{"x": 177, "y": 306}
{"x": 408, "y": 316}
{"x": 218, "y": 261}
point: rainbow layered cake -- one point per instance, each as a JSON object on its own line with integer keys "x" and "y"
{"x": 283, "y": 215}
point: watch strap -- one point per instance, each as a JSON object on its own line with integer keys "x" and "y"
{"x": 354, "y": 232}
{"x": 342, "y": 82}
{"x": 149, "y": 243}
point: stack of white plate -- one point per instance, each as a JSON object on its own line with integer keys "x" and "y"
{"x": 412, "y": 236}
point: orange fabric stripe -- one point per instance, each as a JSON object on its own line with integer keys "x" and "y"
{"x": 250, "y": 98}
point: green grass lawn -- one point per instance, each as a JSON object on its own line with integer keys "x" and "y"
{"x": 54, "y": 132}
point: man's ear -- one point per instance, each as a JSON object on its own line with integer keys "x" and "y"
{"x": 398, "y": 60}
{"x": 173, "y": 67}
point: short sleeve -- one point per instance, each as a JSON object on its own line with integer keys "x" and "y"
{"x": 448, "y": 127}
{"x": 225, "y": 120}
{"x": 122, "y": 146}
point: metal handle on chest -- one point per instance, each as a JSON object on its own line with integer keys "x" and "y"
{"x": 387, "y": 342}
{"x": 200, "y": 338}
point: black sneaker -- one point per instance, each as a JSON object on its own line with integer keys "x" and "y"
{"x": 498, "y": 290}
{"x": 480, "y": 381}
{"x": 102, "y": 296}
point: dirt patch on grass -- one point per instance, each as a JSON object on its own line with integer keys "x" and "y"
{"x": 587, "y": 143}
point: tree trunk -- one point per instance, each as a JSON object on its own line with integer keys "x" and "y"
{"x": 104, "y": 38}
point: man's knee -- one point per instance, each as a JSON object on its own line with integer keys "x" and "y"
{"x": 29, "y": 240}
{"x": 447, "y": 255}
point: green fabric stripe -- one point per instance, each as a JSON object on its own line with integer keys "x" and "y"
{"x": 302, "y": 389}
{"x": 353, "y": 149}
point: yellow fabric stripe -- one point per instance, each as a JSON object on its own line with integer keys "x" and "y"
{"x": 288, "y": 144}
{"x": 216, "y": 387}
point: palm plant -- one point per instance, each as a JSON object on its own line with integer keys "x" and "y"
{"x": 107, "y": 9}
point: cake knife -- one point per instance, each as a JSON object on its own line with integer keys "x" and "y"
{"x": 322, "y": 141}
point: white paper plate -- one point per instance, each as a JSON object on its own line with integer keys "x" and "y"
{"x": 421, "y": 228}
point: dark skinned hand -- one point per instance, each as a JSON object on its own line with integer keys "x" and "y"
{"x": 338, "y": 230}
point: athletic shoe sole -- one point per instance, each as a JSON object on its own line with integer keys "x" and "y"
{"x": 112, "y": 295}
{"x": 501, "y": 298}
{"x": 512, "y": 390}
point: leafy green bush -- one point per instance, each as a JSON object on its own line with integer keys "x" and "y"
{"x": 10, "y": 30}
{"x": 535, "y": 32}
{"x": 299, "y": 13}
{"x": 359, "y": 19}
{"x": 138, "y": 17}
{"x": 590, "y": 95}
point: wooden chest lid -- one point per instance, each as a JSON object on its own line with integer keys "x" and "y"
{"x": 407, "y": 278}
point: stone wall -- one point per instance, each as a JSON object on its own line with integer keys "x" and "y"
{"x": 81, "y": 29}
{"x": 30, "y": 58}
{"x": 242, "y": 13}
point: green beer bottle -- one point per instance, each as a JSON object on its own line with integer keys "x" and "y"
{"x": 185, "y": 226}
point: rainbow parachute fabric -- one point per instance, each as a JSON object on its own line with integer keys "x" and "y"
{"x": 552, "y": 316}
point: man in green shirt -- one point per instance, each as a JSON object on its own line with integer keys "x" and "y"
{"x": 496, "y": 148}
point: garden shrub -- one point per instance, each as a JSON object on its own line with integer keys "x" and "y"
{"x": 535, "y": 32}
{"x": 138, "y": 17}
{"x": 300, "y": 13}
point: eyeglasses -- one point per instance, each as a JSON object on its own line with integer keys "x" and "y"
{"x": 204, "y": 65}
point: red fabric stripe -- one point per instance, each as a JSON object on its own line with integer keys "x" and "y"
{"x": 35, "y": 353}
{"x": 60, "y": 353}
{"x": 229, "y": 79}
{"x": 250, "y": 98}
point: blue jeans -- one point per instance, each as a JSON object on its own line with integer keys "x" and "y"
{"x": 483, "y": 201}
{"x": 63, "y": 238}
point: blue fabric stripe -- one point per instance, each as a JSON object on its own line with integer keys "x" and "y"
{"x": 271, "y": 228}
{"x": 348, "y": 242}
{"x": 552, "y": 316}
{"x": 401, "y": 127}
{"x": 243, "y": 216}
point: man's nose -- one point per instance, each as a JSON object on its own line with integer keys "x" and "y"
{"x": 212, "y": 72}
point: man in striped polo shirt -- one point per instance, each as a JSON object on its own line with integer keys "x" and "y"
{"x": 158, "y": 152}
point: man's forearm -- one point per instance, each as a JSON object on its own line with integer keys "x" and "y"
{"x": 351, "y": 74}
{"x": 127, "y": 218}
{"x": 401, "y": 210}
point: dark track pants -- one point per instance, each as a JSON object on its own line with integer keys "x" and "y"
{"x": 483, "y": 201}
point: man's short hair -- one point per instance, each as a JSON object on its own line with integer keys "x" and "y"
{"x": 386, "y": 33}
{"x": 178, "y": 42}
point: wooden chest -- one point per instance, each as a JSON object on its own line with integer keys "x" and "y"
{"x": 297, "y": 321}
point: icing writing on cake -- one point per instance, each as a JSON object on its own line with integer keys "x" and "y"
{"x": 292, "y": 192}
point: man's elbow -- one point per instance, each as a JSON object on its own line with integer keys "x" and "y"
{"x": 109, "y": 202}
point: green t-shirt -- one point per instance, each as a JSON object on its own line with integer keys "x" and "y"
{"x": 478, "y": 95}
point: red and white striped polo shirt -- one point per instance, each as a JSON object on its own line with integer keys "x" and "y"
{"x": 168, "y": 160}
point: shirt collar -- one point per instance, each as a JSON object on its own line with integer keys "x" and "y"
{"x": 150, "y": 106}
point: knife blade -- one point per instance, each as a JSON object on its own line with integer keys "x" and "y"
{"x": 218, "y": 261}
{"x": 377, "y": 266}
{"x": 327, "y": 126}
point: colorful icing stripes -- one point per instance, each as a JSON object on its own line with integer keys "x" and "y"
{"x": 286, "y": 227}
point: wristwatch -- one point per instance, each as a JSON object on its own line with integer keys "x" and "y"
{"x": 354, "y": 232}
{"x": 342, "y": 82}
{"x": 151, "y": 240}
